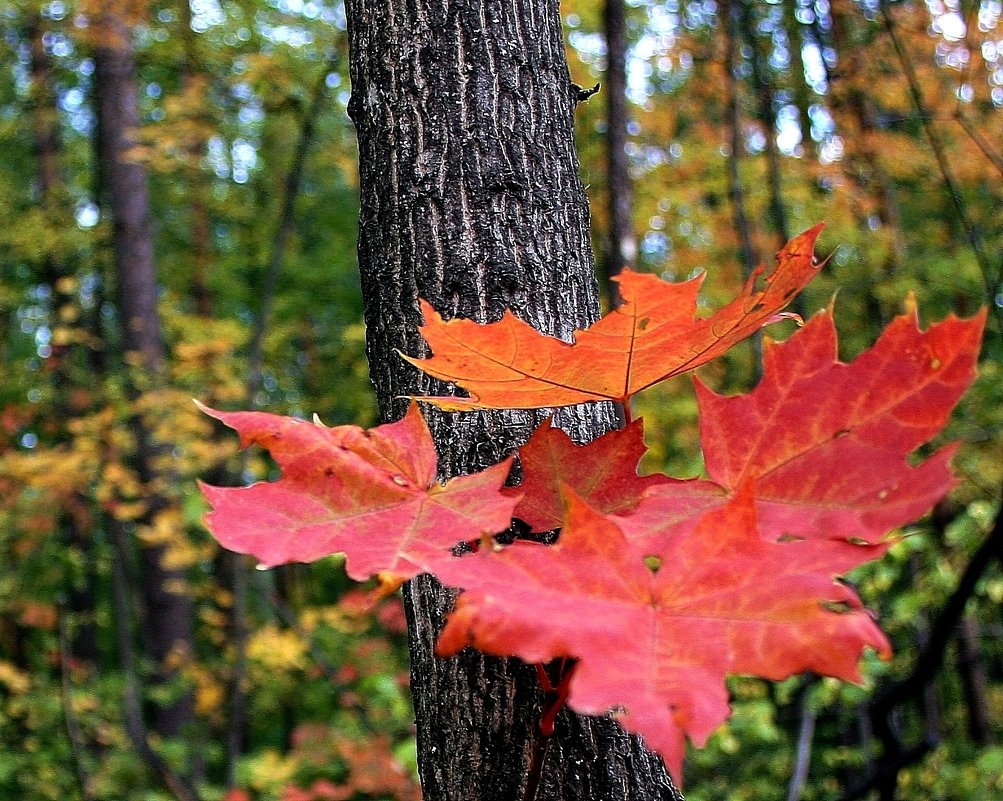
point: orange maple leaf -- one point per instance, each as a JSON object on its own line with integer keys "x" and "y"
{"x": 652, "y": 336}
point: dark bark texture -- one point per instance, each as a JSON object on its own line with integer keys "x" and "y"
{"x": 471, "y": 199}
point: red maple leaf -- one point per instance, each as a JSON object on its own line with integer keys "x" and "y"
{"x": 602, "y": 472}
{"x": 656, "y": 625}
{"x": 371, "y": 495}
{"x": 827, "y": 443}
{"x": 653, "y": 335}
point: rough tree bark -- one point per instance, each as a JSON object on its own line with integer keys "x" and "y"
{"x": 168, "y": 618}
{"x": 471, "y": 198}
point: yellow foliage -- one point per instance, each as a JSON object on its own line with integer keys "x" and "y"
{"x": 271, "y": 770}
{"x": 16, "y": 680}
{"x": 177, "y": 587}
{"x": 276, "y": 649}
{"x": 210, "y": 693}
{"x": 55, "y": 471}
{"x": 168, "y": 531}
{"x": 213, "y": 617}
{"x": 84, "y": 703}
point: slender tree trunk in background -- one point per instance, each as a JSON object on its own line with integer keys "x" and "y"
{"x": 796, "y": 37}
{"x": 80, "y": 634}
{"x": 44, "y": 113}
{"x": 471, "y": 198}
{"x": 973, "y": 679}
{"x": 622, "y": 241}
{"x": 168, "y": 618}
{"x": 193, "y": 89}
{"x": 856, "y": 117}
{"x": 764, "y": 93}
{"x": 736, "y": 194}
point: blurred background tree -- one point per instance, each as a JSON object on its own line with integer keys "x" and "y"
{"x": 138, "y": 661}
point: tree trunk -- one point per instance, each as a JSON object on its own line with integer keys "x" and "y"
{"x": 44, "y": 113}
{"x": 471, "y": 199}
{"x": 82, "y": 636}
{"x": 168, "y": 617}
{"x": 797, "y": 35}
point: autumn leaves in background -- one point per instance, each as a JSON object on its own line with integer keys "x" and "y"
{"x": 659, "y": 587}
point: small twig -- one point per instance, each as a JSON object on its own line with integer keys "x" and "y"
{"x": 291, "y": 188}
{"x": 557, "y": 696}
{"x": 535, "y": 771}
{"x": 973, "y": 133}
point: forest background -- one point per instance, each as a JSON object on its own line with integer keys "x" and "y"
{"x": 138, "y": 660}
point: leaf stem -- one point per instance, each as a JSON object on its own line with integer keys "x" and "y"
{"x": 623, "y": 411}
{"x": 555, "y": 696}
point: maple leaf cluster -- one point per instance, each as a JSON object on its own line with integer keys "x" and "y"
{"x": 657, "y": 587}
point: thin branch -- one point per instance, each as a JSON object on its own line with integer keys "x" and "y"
{"x": 931, "y": 657}
{"x": 938, "y": 151}
{"x": 291, "y": 188}
{"x": 887, "y": 773}
{"x": 973, "y": 133}
{"x": 959, "y": 112}
{"x": 292, "y": 183}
